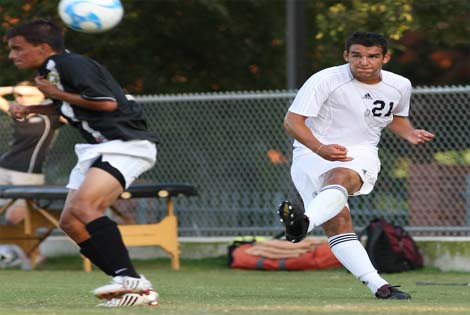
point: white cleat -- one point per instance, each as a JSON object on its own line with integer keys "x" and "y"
{"x": 121, "y": 285}
{"x": 132, "y": 299}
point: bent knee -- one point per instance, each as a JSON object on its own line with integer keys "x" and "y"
{"x": 82, "y": 210}
{"x": 345, "y": 177}
{"x": 67, "y": 224}
{"x": 81, "y": 206}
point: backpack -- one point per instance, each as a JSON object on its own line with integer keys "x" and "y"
{"x": 390, "y": 247}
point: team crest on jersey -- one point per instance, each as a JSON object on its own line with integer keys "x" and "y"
{"x": 366, "y": 112}
{"x": 53, "y": 77}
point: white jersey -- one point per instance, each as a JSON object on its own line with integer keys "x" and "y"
{"x": 342, "y": 110}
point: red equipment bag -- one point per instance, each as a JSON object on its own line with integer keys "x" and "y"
{"x": 282, "y": 255}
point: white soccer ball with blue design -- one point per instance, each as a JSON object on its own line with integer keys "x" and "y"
{"x": 91, "y": 16}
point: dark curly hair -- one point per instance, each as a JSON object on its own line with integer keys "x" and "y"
{"x": 40, "y": 31}
{"x": 367, "y": 39}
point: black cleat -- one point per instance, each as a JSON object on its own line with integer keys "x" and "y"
{"x": 295, "y": 221}
{"x": 391, "y": 292}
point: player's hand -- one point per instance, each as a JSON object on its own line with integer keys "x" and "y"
{"x": 418, "y": 136}
{"x": 45, "y": 86}
{"x": 334, "y": 152}
{"x": 18, "y": 111}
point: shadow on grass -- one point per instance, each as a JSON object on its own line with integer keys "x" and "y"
{"x": 76, "y": 263}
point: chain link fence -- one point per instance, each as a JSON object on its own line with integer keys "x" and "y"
{"x": 233, "y": 149}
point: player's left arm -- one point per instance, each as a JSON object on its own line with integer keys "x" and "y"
{"x": 52, "y": 91}
{"x": 402, "y": 126}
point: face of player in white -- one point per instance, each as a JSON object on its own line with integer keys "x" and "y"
{"x": 26, "y": 55}
{"x": 366, "y": 62}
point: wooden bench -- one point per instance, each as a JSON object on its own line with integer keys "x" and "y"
{"x": 45, "y": 217}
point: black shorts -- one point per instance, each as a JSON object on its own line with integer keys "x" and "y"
{"x": 105, "y": 166}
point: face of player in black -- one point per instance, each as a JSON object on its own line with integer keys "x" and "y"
{"x": 26, "y": 55}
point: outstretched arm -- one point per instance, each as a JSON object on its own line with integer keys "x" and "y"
{"x": 403, "y": 128}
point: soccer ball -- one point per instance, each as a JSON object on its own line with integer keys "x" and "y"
{"x": 91, "y": 16}
{"x": 7, "y": 256}
{"x": 12, "y": 256}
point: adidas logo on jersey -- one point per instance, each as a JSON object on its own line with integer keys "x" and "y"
{"x": 367, "y": 96}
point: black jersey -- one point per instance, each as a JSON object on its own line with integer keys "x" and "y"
{"x": 81, "y": 75}
{"x": 30, "y": 142}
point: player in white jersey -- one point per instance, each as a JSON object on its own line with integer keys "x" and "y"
{"x": 336, "y": 119}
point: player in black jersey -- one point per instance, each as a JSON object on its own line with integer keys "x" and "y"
{"x": 119, "y": 146}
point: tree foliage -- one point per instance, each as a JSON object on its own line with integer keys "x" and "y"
{"x": 176, "y": 46}
{"x": 335, "y": 20}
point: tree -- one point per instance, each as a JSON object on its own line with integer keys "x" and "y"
{"x": 180, "y": 46}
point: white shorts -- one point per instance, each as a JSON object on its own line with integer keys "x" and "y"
{"x": 131, "y": 158}
{"x": 308, "y": 171}
{"x": 10, "y": 177}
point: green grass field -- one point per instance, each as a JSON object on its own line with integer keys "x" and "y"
{"x": 208, "y": 287}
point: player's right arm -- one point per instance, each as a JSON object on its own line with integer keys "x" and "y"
{"x": 307, "y": 103}
{"x": 296, "y": 127}
{"x": 52, "y": 91}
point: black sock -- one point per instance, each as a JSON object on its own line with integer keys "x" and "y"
{"x": 107, "y": 239}
{"x": 88, "y": 249}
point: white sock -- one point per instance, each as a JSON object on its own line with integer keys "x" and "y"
{"x": 353, "y": 256}
{"x": 326, "y": 205}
